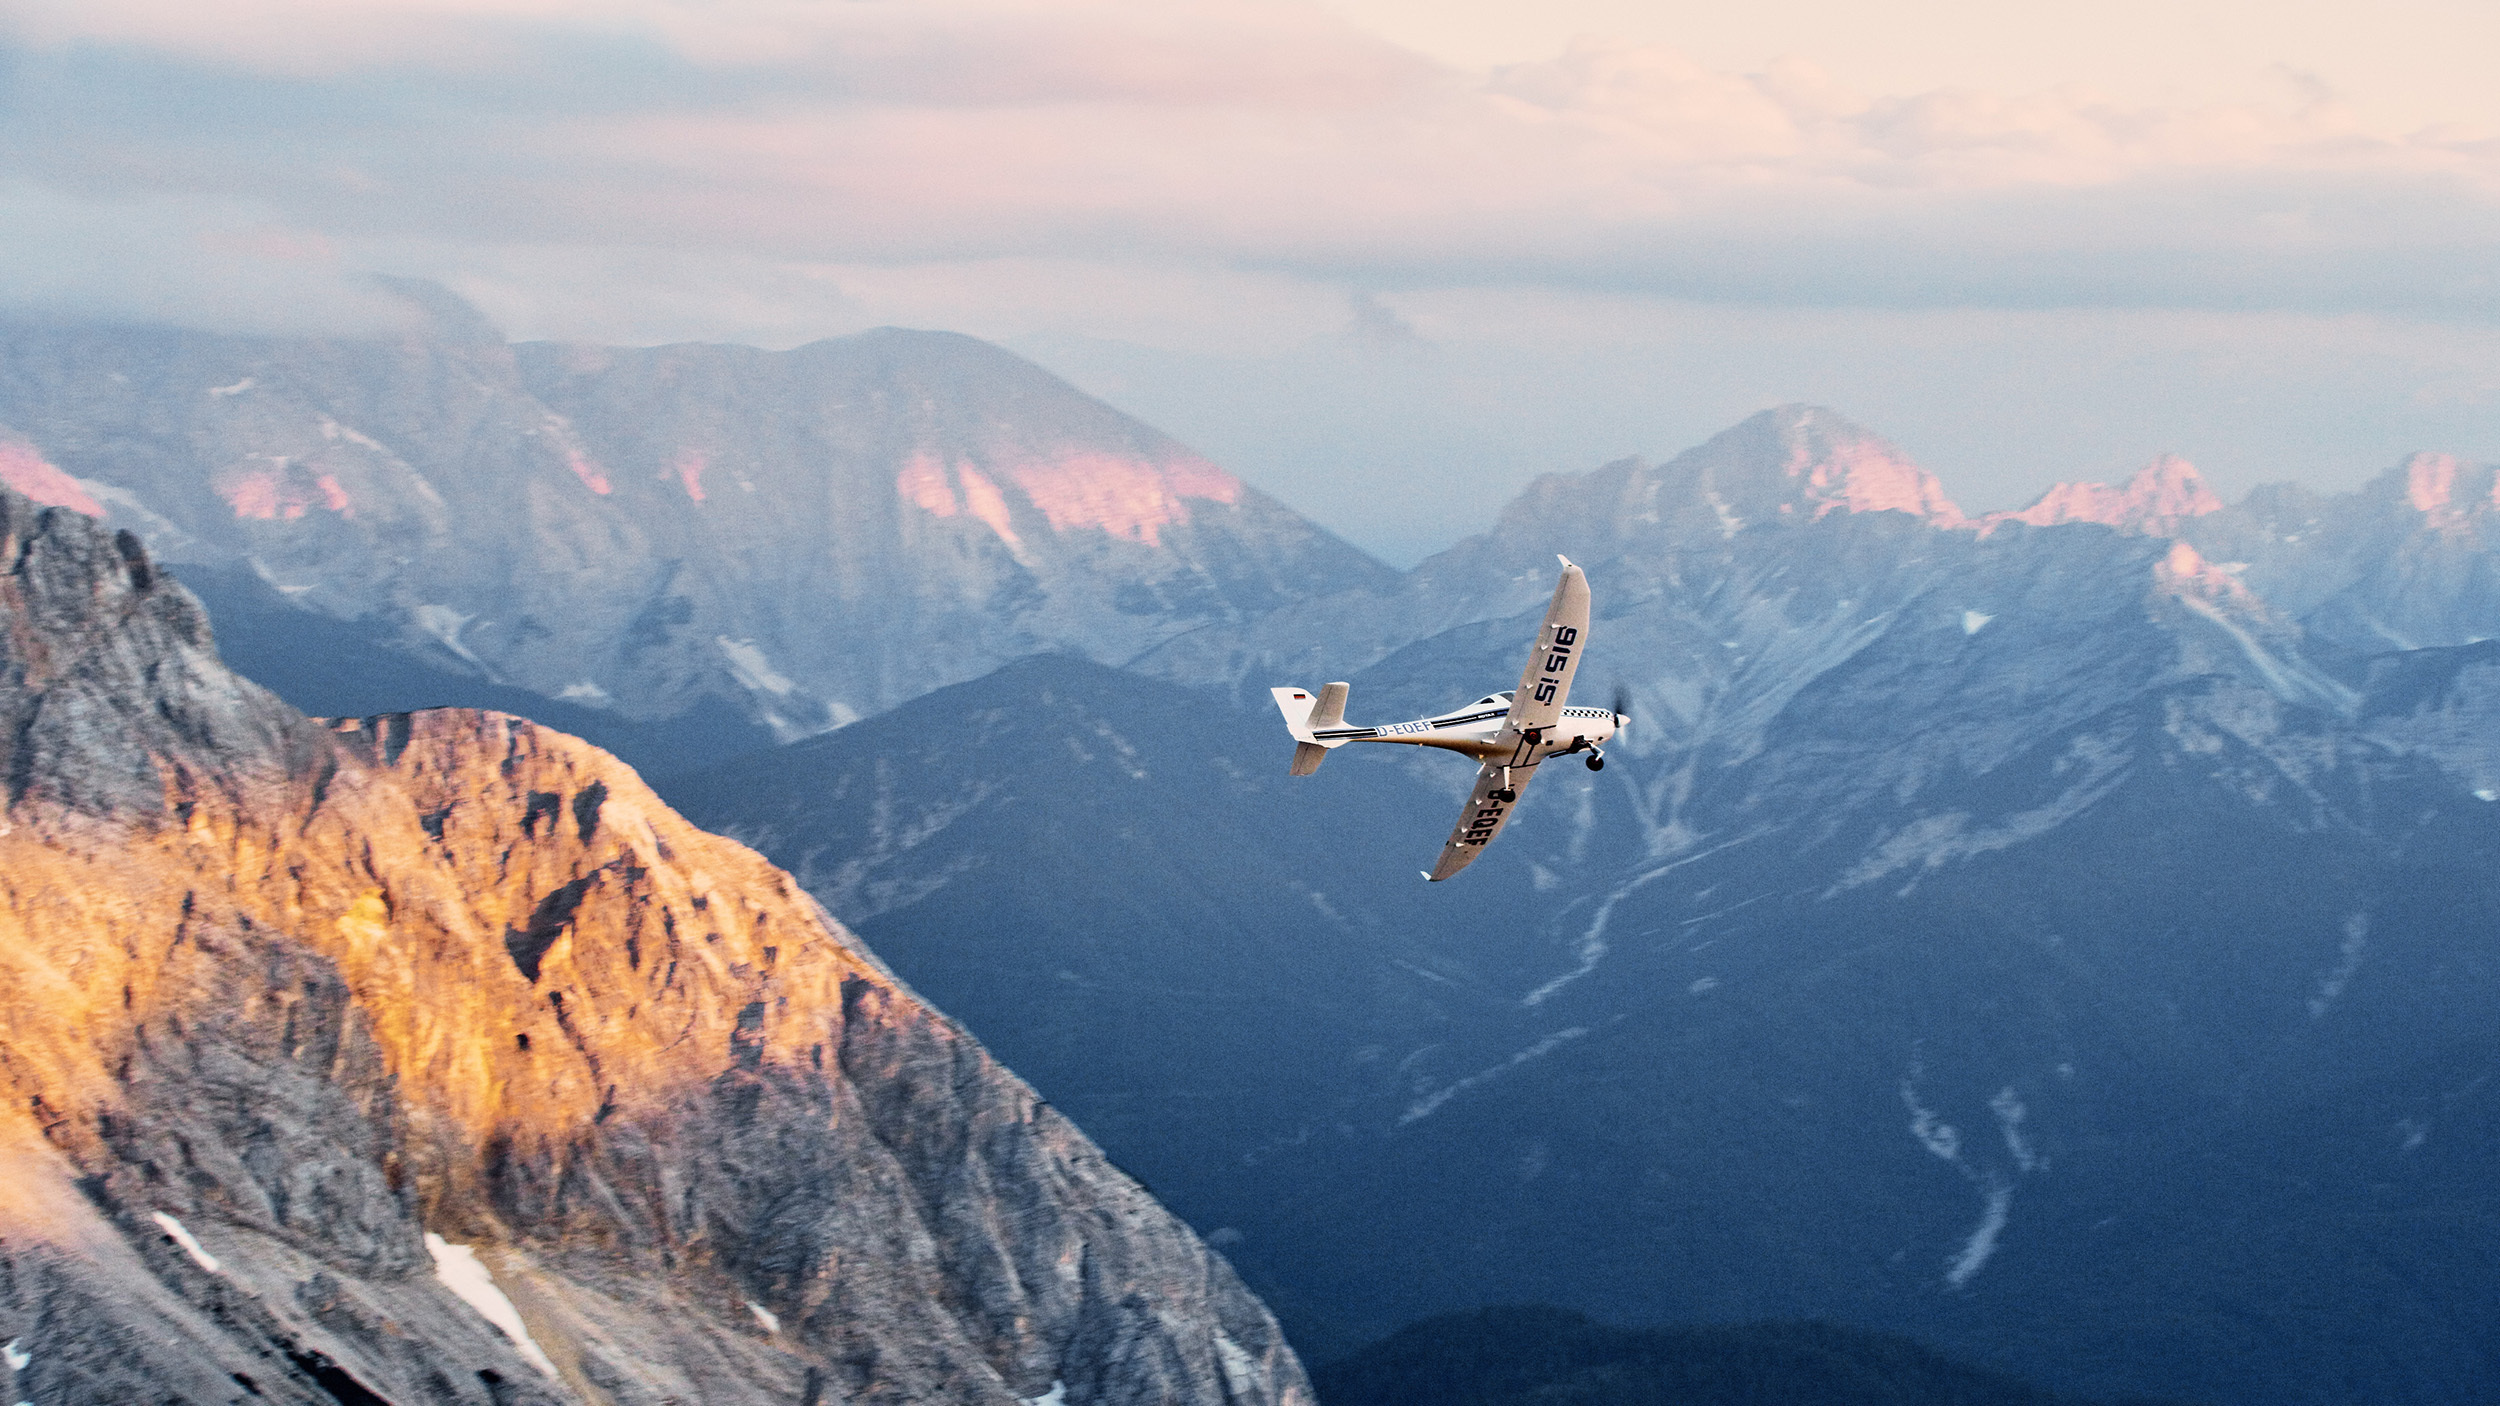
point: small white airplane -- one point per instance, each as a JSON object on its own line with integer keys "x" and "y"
{"x": 1507, "y": 735}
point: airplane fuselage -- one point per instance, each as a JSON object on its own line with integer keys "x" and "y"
{"x": 1483, "y": 730}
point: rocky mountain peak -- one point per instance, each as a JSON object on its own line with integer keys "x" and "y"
{"x": 1800, "y": 463}
{"x": 2161, "y": 495}
{"x": 112, "y": 702}
{"x": 323, "y": 1043}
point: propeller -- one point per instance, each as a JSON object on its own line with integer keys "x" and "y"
{"x": 1622, "y": 704}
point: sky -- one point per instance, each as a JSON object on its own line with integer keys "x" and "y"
{"x": 1387, "y": 259}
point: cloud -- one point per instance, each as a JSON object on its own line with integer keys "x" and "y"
{"x": 774, "y": 139}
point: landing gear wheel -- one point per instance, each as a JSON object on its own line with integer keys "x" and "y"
{"x": 1505, "y": 795}
{"x": 1597, "y": 763}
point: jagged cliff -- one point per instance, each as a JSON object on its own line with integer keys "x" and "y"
{"x": 302, "y": 1027}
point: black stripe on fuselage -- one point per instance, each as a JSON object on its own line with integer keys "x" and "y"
{"x": 1358, "y": 733}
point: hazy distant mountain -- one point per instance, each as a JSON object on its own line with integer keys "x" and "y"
{"x": 795, "y": 539}
{"x": 2025, "y": 937}
{"x": 2410, "y": 561}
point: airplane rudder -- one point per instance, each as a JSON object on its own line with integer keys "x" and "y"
{"x": 1298, "y": 706}
{"x": 1330, "y": 711}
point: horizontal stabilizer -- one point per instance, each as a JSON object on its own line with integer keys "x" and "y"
{"x": 1307, "y": 756}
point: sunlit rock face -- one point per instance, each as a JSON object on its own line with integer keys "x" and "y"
{"x": 801, "y": 538}
{"x": 325, "y": 1046}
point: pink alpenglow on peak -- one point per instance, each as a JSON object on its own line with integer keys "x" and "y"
{"x": 1866, "y": 477}
{"x": 2450, "y": 494}
{"x": 587, "y": 470}
{"x": 2185, "y": 572}
{"x": 272, "y": 490}
{"x": 1132, "y": 499}
{"x": 1128, "y": 498}
{"x": 987, "y": 503}
{"x": 2163, "y": 494}
{"x": 2429, "y": 480}
{"x": 926, "y": 484}
{"x": 27, "y": 471}
{"x": 593, "y": 476}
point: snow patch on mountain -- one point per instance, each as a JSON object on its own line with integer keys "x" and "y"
{"x": 2010, "y": 1112}
{"x": 1933, "y": 1133}
{"x": 1591, "y": 947}
{"x": 190, "y": 1244}
{"x": 752, "y": 669}
{"x": 1933, "y": 841}
{"x": 444, "y": 624}
{"x": 458, "y": 1269}
{"x": 1982, "y": 1245}
{"x": 1943, "y": 1141}
{"x": 2348, "y": 955}
{"x": 1431, "y": 1103}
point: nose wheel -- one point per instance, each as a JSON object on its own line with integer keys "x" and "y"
{"x": 1597, "y": 760}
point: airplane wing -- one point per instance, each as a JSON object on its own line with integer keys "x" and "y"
{"x": 1484, "y": 816}
{"x": 1546, "y": 682}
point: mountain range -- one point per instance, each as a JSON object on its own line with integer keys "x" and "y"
{"x": 760, "y": 545}
{"x": 2058, "y": 935}
{"x": 2028, "y": 937}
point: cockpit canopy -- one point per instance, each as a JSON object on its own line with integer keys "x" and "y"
{"x": 1490, "y": 699}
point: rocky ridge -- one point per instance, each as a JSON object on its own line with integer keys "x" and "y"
{"x": 308, "y": 1033}
{"x": 788, "y": 539}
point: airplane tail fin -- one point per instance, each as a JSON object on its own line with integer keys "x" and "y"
{"x": 1303, "y": 715}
